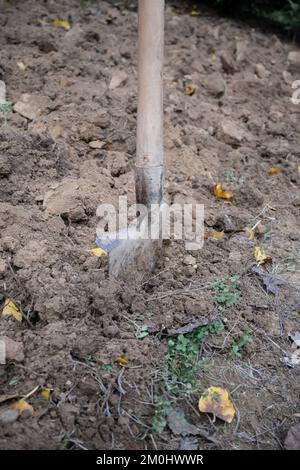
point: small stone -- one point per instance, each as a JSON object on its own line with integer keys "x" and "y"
{"x": 227, "y": 62}
{"x": 96, "y": 144}
{"x": 14, "y": 350}
{"x": 56, "y": 131}
{"x": 294, "y": 61}
{"x": 231, "y": 133}
{"x": 215, "y": 86}
{"x": 287, "y": 77}
{"x": 118, "y": 79}
{"x": 189, "y": 260}
{"x": 241, "y": 50}
{"x": 292, "y": 441}
{"x": 261, "y": 71}
{"x": 32, "y": 106}
{"x": 8, "y": 416}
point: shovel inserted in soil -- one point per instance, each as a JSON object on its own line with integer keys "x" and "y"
{"x": 127, "y": 251}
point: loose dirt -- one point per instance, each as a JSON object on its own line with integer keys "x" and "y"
{"x": 237, "y": 125}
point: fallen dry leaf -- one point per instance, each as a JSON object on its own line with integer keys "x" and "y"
{"x": 218, "y": 236}
{"x": 21, "y": 406}
{"x": 10, "y": 309}
{"x": 61, "y": 24}
{"x": 220, "y": 193}
{"x": 216, "y": 400}
{"x": 189, "y": 90}
{"x": 274, "y": 171}
{"x": 97, "y": 252}
{"x": 215, "y": 235}
{"x": 122, "y": 361}
{"x": 260, "y": 256}
{"x": 21, "y": 65}
{"x": 46, "y": 393}
{"x": 272, "y": 283}
{"x": 179, "y": 425}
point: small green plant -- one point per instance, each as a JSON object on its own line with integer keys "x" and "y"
{"x": 182, "y": 362}
{"x": 90, "y": 361}
{"x": 106, "y": 367}
{"x": 159, "y": 420}
{"x": 226, "y": 292}
{"x": 14, "y": 381}
{"x": 231, "y": 178}
{"x": 236, "y": 347}
{"x": 140, "y": 331}
{"x": 5, "y": 109}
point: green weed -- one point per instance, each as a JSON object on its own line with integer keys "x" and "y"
{"x": 236, "y": 347}
{"x": 182, "y": 362}
{"x": 226, "y": 292}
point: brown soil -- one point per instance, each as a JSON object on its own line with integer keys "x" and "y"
{"x": 77, "y": 321}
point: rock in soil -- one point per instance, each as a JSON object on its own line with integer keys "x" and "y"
{"x": 14, "y": 350}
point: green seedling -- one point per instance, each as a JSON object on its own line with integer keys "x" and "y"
{"x": 231, "y": 178}
{"x": 5, "y": 109}
{"x": 159, "y": 420}
{"x": 226, "y": 292}
{"x": 182, "y": 362}
{"x": 236, "y": 347}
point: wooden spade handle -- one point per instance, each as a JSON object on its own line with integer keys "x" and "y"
{"x": 149, "y": 156}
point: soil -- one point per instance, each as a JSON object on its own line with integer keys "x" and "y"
{"x": 237, "y": 125}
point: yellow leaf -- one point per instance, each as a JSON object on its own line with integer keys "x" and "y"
{"x": 298, "y": 169}
{"x": 189, "y": 90}
{"x": 195, "y": 13}
{"x": 97, "y": 252}
{"x": 220, "y": 193}
{"x": 21, "y": 406}
{"x": 21, "y": 65}
{"x": 122, "y": 361}
{"x": 261, "y": 256}
{"x": 215, "y": 235}
{"x": 61, "y": 24}
{"x": 218, "y": 235}
{"x": 249, "y": 233}
{"x": 274, "y": 171}
{"x": 10, "y": 309}
{"x": 216, "y": 400}
{"x": 46, "y": 393}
